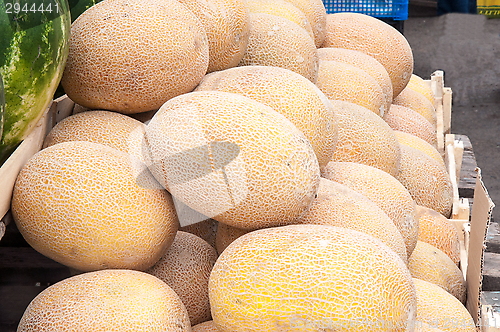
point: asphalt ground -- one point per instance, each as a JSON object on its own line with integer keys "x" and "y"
{"x": 467, "y": 48}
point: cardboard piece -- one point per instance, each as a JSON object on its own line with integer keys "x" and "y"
{"x": 482, "y": 208}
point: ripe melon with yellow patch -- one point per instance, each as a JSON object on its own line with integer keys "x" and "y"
{"x": 133, "y": 57}
{"x": 186, "y": 267}
{"x": 208, "y": 326}
{"x": 310, "y": 277}
{"x": 233, "y": 159}
{"x": 427, "y": 180}
{"x": 112, "y": 129}
{"x": 281, "y": 8}
{"x": 315, "y": 12}
{"x": 431, "y": 264}
{"x": 227, "y": 25}
{"x": 403, "y": 119}
{"x": 338, "y": 205}
{"x": 418, "y": 84}
{"x": 365, "y": 138}
{"x": 107, "y": 300}
{"x": 80, "y": 204}
{"x": 417, "y": 102}
{"x": 439, "y": 309}
{"x": 276, "y": 41}
{"x": 420, "y": 144}
{"x": 435, "y": 229}
{"x": 384, "y": 190}
{"x": 287, "y": 92}
{"x": 362, "y": 61}
{"x": 376, "y": 38}
{"x": 342, "y": 81}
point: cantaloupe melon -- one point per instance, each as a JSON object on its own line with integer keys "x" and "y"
{"x": 376, "y": 38}
{"x": 418, "y": 143}
{"x": 281, "y": 8}
{"x": 365, "y": 138}
{"x": 205, "y": 327}
{"x": 431, "y": 264}
{"x": 407, "y": 120}
{"x": 107, "y": 300}
{"x": 338, "y": 205}
{"x": 276, "y": 41}
{"x": 439, "y": 309}
{"x": 79, "y": 203}
{"x": 287, "y": 92}
{"x": 226, "y": 235}
{"x": 421, "y": 328}
{"x": 342, "y": 81}
{"x": 233, "y": 159}
{"x": 132, "y": 57}
{"x": 227, "y": 25}
{"x": 315, "y": 12}
{"x": 383, "y": 189}
{"x": 435, "y": 229}
{"x": 426, "y": 180}
{"x": 206, "y": 229}
{"x": 310, "y": 278}
{"x": 186, "y": 267}
{"x": 418, "y": 84}
{"x": 417, "y": 102}
{"x": 362, "y": 61}
{"x": 112, "y": 129}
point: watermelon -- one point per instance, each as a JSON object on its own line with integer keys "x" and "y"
{"x": 34, "y": 47}
{"x": 2, "y": 104}
{"x": 77, "y": 7}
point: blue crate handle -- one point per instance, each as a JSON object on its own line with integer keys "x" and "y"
{"x": 394, "y": 9}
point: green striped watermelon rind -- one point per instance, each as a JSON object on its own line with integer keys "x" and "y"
{"x": 31, "y": 65}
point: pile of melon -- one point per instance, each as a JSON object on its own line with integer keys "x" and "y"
{"x": 283, "y": 177}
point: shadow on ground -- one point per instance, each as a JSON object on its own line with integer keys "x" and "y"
{"x": 467, "y": 48}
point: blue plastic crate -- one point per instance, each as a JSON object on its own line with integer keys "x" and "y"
{"x": 394, "y": 9}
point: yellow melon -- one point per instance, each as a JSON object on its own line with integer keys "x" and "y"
{"x": 365, "y": 138}
{"x": 338, "y": 205}
{"x": 112, "y": 129}
{"x": 226, "y": 235}
{"x": 431, "y": 264}
{"x": 342, "y": 81}
{"x": 287, "y": 92}
{"x": 417, "y": 102}
{"x": 233, "y": 159}
{"x": 132, "y": 58}
{"x": 418, "y": 84}
{"x": 227, "y": 25}
{"x": 205, "y": 327}
{"x": 315, "y": 12}
{"x": 206, "y": 229}
{"x": 79, "y": 203}
{"x": 439, "y": 309}
{"x": 426, "y": 328}
{"x": 407, "y": 120}
{"x": 281, "y": 8}
{"x": 278, "y": 42}
{"x": 376, "y": 38}
{"x": 310, "y": 277}
{"x": 362, "y": 61}
{"x": 435, "y": 229}
{"x": 426, "y": 180}
{"x": 384, "y": 190}
{"x": 107, "y": 300}
{"x": 186, "y": 267}
{"x": 413, "y": 141}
